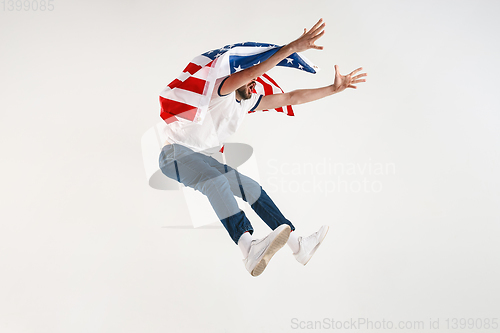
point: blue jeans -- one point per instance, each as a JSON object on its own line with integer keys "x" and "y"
{"x": 220, "y": 183}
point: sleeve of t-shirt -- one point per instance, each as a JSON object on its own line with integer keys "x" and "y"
{"x": 252, "y": 103}
{"x": 248, "y": 104}
{"x": 217, "y": 86}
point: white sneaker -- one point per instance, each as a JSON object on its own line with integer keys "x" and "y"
{"x": 262, "y": 250}
{"x": 309, "y": 245}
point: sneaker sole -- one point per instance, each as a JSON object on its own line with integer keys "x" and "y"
{"x": 275, "y": 245}
{"x": 319, "y": 243}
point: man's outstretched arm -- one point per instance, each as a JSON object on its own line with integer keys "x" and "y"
{"x": 304, "y": 42}
{"x": 301, "y": 96}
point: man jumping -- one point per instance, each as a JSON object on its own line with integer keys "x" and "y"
{"x": 186, "y": 158}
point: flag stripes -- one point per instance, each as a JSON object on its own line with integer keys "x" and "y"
{"x": 189, "y": 95}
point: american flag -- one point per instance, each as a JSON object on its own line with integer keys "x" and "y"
{"x": 188, "y": 96}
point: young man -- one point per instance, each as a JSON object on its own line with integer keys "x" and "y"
{"x": 186, "y": 156}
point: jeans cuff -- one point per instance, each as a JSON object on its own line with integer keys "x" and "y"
{"x": 236, "y": 225}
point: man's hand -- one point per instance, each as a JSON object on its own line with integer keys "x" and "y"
{"x": 304, "y": 42}
{"x": 308, "y": 95}
{"x": 308, "y": 38}
{"x": 347, "y": 81}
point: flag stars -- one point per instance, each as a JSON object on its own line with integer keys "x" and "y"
{"x": 218, "y": 55}
{"x": 237, "y": 69}
{"x": 289, "y": 61}
{"x": 300, "y": 66}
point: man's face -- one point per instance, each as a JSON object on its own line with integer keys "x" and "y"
{"x": 245, "y": 91}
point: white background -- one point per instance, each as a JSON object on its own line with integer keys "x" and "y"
{"x": 87, "y": 246}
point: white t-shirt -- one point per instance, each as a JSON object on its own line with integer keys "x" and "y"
{"x": 225, "y": 115}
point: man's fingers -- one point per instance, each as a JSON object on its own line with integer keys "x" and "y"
{"x": 313, "y": 36}
{"x": 317, "y": 24}
{"x": 313, "y": 40}
{"x": 358, "y": 76}
{"x": 318, "y": 36}
{"x": 356, "y": 70}
{"x": 349, "y": 81}
{"x": 308, "y": 38}
{"x": 318, "y": 30}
